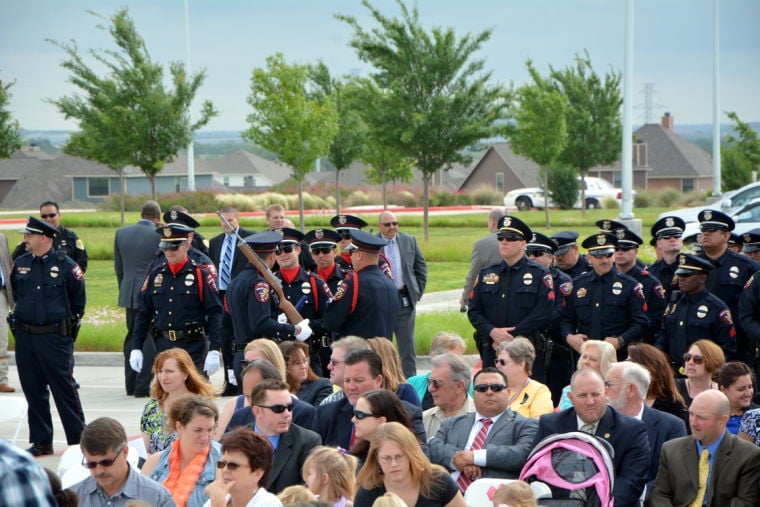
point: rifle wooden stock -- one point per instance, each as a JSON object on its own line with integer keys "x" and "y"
{"x": 286, "y": 306}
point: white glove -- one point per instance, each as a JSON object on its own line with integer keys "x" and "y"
{"x": 213, "y": 362}
{"x": 136, "y": 360}
{"x": 305, "y": 332}
{"x": 231, "y": 378}
{"x": 282, "y": 318}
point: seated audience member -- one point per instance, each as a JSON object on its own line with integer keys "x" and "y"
{"x": 186, "y": 467}
{"x": 396, "y": 464}
{"x": 389, "y": 500}
{"x": 663, "y": 394}
{"x": 710, "y": 467}
{"x": 701, "y": 364}
{"x": 527, "y": 397}
{"x": 296, "y": 494}
{"x": 626, "y": 435}
{"x": 304, "y": 383}
{"x": 273, "y": 417}
{"x": 23, "y": 481}
{"x": 442, "y": 343}
{"x": 174, "y": 376}
{"x": 393, "y": 375}
{"x": 112, "y": 480}
{"x": 264, "y": 348}
{"x": 337, "y": 365}
{"x": 492, "y": 442}
{"x": 595, "y": 354}
{"x": 63, "y": 497}
{"x": 330, "y": 474}
{"x": 449, "y": 383}
{"x": 749, "y": 429}
{"x": 627, "y": 385}
{"x": 735, "y": 380}
{"x": 243, "y": 471}
{"x": 514, "y": 494}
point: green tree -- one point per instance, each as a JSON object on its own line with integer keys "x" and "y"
{"x": 563, "y": 186}
{"x": 740, "y": 154}
{"x": 592, "y": 115}
{"x": 10, "y": 134}
{"x": 539, "y": 131}
{"x": 440, "y": 99}
{"x": 127, "y": 116}
{"x": 289, "y": 118}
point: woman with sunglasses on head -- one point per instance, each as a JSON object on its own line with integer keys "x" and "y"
{"x": 595, "y": 354}
{"x": 242, "y": 472}
{"x": 396, "y": 464}
{"x": 527, "y": 397}
{"x": 304, "y": 383}
{"x": 701, "y": 364}
{"x": 736, "y": 380}
{"x": 186, "y": 467}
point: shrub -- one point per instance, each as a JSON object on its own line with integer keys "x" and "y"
{"x": 642, "y": 199}
{"x": 406, "y": 199}
{"x": 610, "y": 203}
{"x": 463, "y": 199}
{"x": 563, "y": 186}
{"x": 486, "y": 195}
{"x": 358, "y": 198}
{"x": 668, "y": 197}
{"x": 442, "y": 199}
{"x": 693, "y": 198}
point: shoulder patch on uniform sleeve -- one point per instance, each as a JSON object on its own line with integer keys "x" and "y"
{"x": 211, "y": 269}
{"x": 77, "y": 272}
{"x": 262, "y": 292}
{"x": 659, "y": 291}
{"x": 725, "y": 317}
{"x": 548, "y": 281}
{"x": 340, "y": 291}
{"x": 566, "y": 288}
{"x": 638, "y": 290}
{"x": 749, "y": 283}
{"x": 211, "y": 282}
{"x": 79, "y": 244}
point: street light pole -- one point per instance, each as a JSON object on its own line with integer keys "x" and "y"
{"x": 191, "y": 146}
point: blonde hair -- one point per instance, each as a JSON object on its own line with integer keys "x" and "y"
{"x": 515, "y": 494}
{"x": 270, "y": 351}
{"x": 445, "y": 341}
{"x": 339, "y": 467}
{"x": 393, "y": 375}
{"x": 296, "y": 493}
{"x": 389, "y": 500}
{"x": 608, "y": 354}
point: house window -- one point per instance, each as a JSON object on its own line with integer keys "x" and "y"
{"x": 617, "y": 179}
{"x": 98, "y": 187}
{"x": 249, "y": 182}
{"x": 500, "y": 182}
{"x": 687, "y": 184}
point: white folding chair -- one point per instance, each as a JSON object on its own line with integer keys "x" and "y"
{"x": 71, "y": 457}
{"x": 13, "y": 408}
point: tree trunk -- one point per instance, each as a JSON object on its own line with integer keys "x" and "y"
{"x": 546, "y": 197}
{"x": 152, "y": 179}
{"x": 337, "y": 191}
{"x": 300, "y": 204}
{"x": 122, "y": 191}
{"x": 583, "y": 193}
{"x": 385, "y": 191}
{"x": 425, "y": 192}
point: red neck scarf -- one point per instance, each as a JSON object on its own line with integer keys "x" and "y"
{"x": 176, "y": 268}
{"x": 288, "y": 275}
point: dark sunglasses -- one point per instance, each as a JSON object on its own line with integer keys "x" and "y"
{"x": 501, "y": 237}
{"x": 500, "y": 362}
{"x": 388, "y": 224}
{"x": 362, "y": 415}
{"x": 51, "y": 215}
{"x": 322, "y": 250}
{"x": 687, "y": 275}
{"x": 497, "y": 388}
{"x": 277, "y": 409}
{"x": 535, "y": 253}
{"x": 104, "y": 462}
{"x": 624, "y": 248}
{"x": 172, "y": 248}
{"x": 284, "y": 249}
{"x": 670, "y": 236}
{"x": 345, "y": 235}
{"x": 434, "y": 382}
{"x": 221, "y": 464}
{"x": 697, "y": 359}
{"x": 601, "y": 256}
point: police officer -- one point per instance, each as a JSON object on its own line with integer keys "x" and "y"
{"x": 512, "y": 298}
{"x": 50, "y": 300}
{"x": 667, "y": 234}
{"x": 567, "y": 257}
{"x": 343, "y": 225}
{"x": 751, "y": 246}
{"x": 179, "y": 305}
{"x": 251, "y": 304}
{"x": 696, "y": 314}
{"x": 618, "y": 228}
{"x": 626, "y": 255}
{"x": 197, "y": 250}
{"x": 605, "y": 304}
{"x": 66, "y": 241}
{"x": 731, "y": 272}
{"x": 366, "y": 303}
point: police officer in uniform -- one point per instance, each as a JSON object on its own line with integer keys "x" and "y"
{"x": 179, "y": 305}
{"x": 66, "y": 241}
{"x": 512, "y": 298}
{"x": 50, "y": 300}
{"x": 567, "y": 257}
{"x": 751, "y": 245}
{"x": 605, "y": 304}
{"x": 696, "y": 314}
{"x": 252, "y": 306}
{"x": 366, "y": 303}
{"x": 667, "y": 234}
{"x": 344, "y": 224}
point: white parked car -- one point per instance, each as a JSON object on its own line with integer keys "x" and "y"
{"x": 597, "y": 189}
{"x": 728, "y": 203}
{"x": 746, "y": 218}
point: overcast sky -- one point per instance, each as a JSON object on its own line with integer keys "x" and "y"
{"x": 673, "y": 45}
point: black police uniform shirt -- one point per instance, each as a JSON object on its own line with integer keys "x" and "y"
{"x": 749, "y": 309}
{"x": 66, "y": 242}
{"x": 332, "y": 276}
{"x": 666, "y": 274}
{"x": 309, "y": 294}
{"x": 696, "y": 317}
{"x": 344, "y": 261}
{"x": 364, "y": 304}
{"x": 64, "y": 290}
{"x": 251, "y": 308}
{"x": 582, "y": 266}
{"x": 654, "y": 295}
{"x": 176, "y": 301}
{"x": 193, "y": 254}
{"x": 617, "y": 301}
{"x": 563, "y": 288}
{"x": 520, "y": 295}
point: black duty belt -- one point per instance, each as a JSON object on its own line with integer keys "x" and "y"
{"x": 239, "y": 346}
{"x": 50, "y": 328}
{"x": 173, "y": 335}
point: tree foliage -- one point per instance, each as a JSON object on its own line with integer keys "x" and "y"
{"x": 740, "y": 154}
{"x": 127, "y": 116}
{"x": 289, "y": 118}
{"x": 563, "y": 186}
{"x": 440, "y": 99}
{"x": 10, "y": 134}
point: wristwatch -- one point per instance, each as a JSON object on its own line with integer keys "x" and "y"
{"x": 621, "y": 342}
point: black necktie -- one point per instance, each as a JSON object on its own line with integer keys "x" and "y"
{"x": 39, "y": 291}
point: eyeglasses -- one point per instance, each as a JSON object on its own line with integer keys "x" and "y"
{"x": 500, "y": 362}
{"x": 670, "y": 236}
{"x": 278, "y": 409}
{"x": 345, "y": 235}
{"x": 362, "y": 415}
{"x": 497, "y": 388}
{"x": 695, "y": 358}
{"x": 388, "y": 224}
{"x": 607, "y": 383}
{"x": 50, "y": 215}
{"x": 435, "y": 382}
{"x": 536, "y": 253}
{"x": 387, "y": 460}
{"x": 624, "y": 248}
{"x": 510, "y": 238}
{"x": 601, "y": 256}
{"x": 244, "y": 363}
{"x": 105, "y": 463}
{"x": 335, "y": 362}
{"x": 284, "y": 249}
{"x": 221, "y": 464}
{"x": 322, "y": 250}
{"x": 687, "y": 275}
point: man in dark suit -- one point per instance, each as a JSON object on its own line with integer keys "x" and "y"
{"x": 507, "y": 443}
{"x": 273, "y": 412}
{"x": 485, "y": 252}
{"x": 626, "y": 435}
{"x": 410, "y": 276}
{"x": 733, "y": 464}
{"x": 627, "y": 386}
{"x": 134, "y": 248}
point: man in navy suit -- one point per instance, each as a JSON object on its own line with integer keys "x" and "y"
{"x": 627, "y": 385}
{"x": 626, "y": 435}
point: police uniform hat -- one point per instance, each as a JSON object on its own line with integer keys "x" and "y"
{"x": 751, "y": 241}
{"x": 691, "y": 264}
{"x": 322, "y": 238}
{"x": 540, "y": 241}
{"x": 610, "y": 225}
{"x": 565, "y": 241}
{"x": 601, "y": 243}
{"x": 735, "y": 240}
{"x": 289, "y": 236}
{"x": 627, "y": 237}
{"x": 172, "y": 234}
{"x": 347, "y": 222}
{"x": 264, "y": 242}
{"x": 365, "y": 242}
{"x": 513, "y": 226}
{"x": 180, "y": 218}
{"x": 668, "y": 226}
{"x": 37, "y": 226}
{"x": 713, "y": 220}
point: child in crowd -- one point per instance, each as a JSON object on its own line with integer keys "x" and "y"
{"x": 330, "y": 474}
